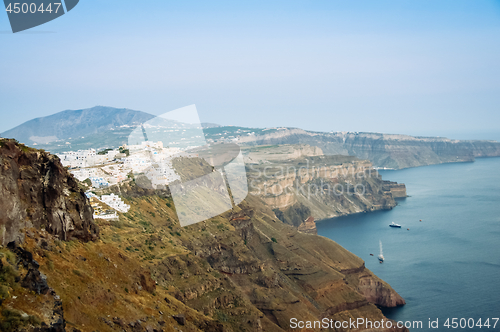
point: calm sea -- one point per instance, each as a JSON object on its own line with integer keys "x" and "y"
{"x": 448, "y": 264}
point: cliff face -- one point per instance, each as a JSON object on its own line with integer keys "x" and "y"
{"x": 383, "y": 150}
{"x": 398, "y": 190}
{"x": 325, "y": 186}
{"x": 258, "y": 154}
{"x": 244, "y": 270}
{"x": 260, "y": 272}
{"x": 37, "y": 191}
{"x": 400, "y": 151}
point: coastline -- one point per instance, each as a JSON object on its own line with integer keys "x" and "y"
{"x": 422, "y": 264}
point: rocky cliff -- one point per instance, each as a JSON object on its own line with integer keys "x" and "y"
{"x": 320, "y": 186}
{"x": 283, "y": 152}
{"x": 244, "y": 270}
{"x": 38, "y": 192}
{"x": 398, "y": 190}
{"x": 383, "y": 150}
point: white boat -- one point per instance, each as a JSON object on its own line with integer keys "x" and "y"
{"x": 395, "y": 225}
{"x": 381, "y": 256}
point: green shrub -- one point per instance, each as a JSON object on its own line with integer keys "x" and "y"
{"x": 12, "y": 320}
{"x": 4, "y": 292}
{"x": 11, "y": 257}
{"x": 221, "y": 316}
{"x": 8, "y": 274}
{"x": 34, "y": 320}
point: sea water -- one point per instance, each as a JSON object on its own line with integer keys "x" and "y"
{"x": 448, "y": 264}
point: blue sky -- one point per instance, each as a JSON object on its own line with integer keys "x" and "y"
{"x": 413, "y": 67}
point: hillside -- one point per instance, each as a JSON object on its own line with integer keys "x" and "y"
{"x": 244, "y": 270}
{"x": 76, "y": 124}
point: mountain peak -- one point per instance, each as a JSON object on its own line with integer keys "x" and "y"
{"x": 75, "y": 123}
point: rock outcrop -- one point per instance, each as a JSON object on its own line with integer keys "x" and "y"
{"x": 36, "y": 190}
{"x": 322, "y": 187}
{"x": 398, "y": 190}
{"x": 308, "y": 226}
{"x": 47, "y": 315}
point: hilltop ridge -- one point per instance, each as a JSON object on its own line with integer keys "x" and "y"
{"x": 75, "y": 124}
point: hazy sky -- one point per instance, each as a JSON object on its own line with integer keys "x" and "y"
{"x": 416, "y": 67}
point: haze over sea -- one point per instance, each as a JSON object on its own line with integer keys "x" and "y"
{"x": 447, "y": 265}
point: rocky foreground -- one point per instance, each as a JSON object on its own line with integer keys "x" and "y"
{"x": 245, "y": 270}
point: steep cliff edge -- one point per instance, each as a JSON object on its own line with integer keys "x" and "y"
{"x": 260, "y": 272}
{"x": 36, "y": 191}
{"x": 383, "y": 150}
{"x": 244, "y": 270}
{"x": 319, "y": 186}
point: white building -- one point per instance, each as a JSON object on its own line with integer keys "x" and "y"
{"x": 148, "y": 157}
{"x": 99, "y": 182}
{"x": 86, "y": 173}
{"x": 78, "y": 159}
{"x": 106, "y": 215}
{"x": 86, "y": 158}
{"x": 115, "y": 202}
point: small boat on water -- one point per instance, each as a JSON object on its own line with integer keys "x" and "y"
{"x": 371, "y": 254}
{"x": 395, "y": 225}
{"x": 381, "y": 256}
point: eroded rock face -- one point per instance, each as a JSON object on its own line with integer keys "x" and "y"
{"x": 326, "y": 186}
{"x": 48, "y": 303}
{"x": 383, "y": 150}
{"x": 36, "y": 190}
{"x": 376, "y": 291}
{"x": 398, "y": 190}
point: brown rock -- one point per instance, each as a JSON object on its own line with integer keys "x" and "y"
{"x": 308, "y": 226}
{"x": 147, "y": 283}
{"x": 38, "y": 191}
{"x": 180, "y": 318}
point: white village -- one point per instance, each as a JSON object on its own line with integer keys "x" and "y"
{"x": 113, "y": 166}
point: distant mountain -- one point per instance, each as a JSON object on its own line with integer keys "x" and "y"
{"x": 107, "y": 127}
{"x": 75, "y": 124}
{"x": 210, "y": 125}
